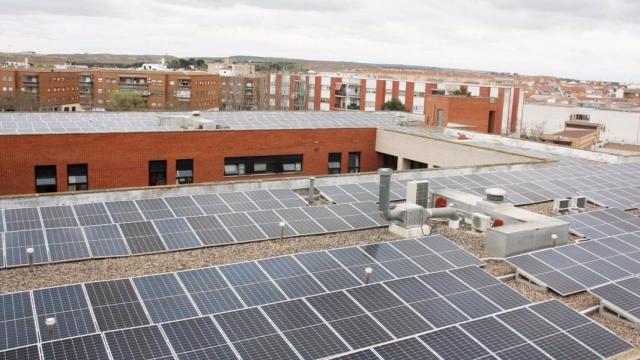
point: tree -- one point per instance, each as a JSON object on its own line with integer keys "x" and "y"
{"x": 127, "y": 101}
{"x": 393, "y": 105}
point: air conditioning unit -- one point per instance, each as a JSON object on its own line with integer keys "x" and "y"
{"x": 578, "y": 202}
{"x": 418, "y": 193}
{"x": 480, "y": 222}
{"x": 560, "y": 205}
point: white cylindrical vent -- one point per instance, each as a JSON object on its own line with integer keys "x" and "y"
{"x": 496, "y": 194}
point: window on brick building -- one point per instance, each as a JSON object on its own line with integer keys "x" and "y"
{"x": 184, "y": 171}
{"x": 46, "y": 179}
{"x": 77, "y": 177}
{"x": 334, "y": 163}
{"x": 262, "y": 165}
{"x": 354, "y": 162}
{"x": 157, "y": 172}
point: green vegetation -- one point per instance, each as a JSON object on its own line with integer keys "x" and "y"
{"x": 393, "y": 105}
{"x": 462, "y": 92}
{"x": 185, "y": 63}
{"x": 127, "y": 101}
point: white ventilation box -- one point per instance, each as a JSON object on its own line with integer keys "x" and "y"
{"x": 578, "y": 202}
{"x": 560, "y": 205}
{"x": 418, "y": 193}
{"x": 480, "y": 222}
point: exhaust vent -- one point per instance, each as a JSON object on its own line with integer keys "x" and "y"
{"x": 496, "y": 195}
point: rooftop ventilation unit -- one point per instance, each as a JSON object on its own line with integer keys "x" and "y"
{"x": 480, "y": 222}
{"x": 578, "y": 202}
{"x": 495, "y": 195}
{"x": 418, "y": 193}
{"x": 561, "y": 205}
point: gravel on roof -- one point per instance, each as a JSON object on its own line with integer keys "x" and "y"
{"x": 24, "y": 278}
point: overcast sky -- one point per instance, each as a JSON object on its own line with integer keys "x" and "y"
{"x": 585, "y": 39}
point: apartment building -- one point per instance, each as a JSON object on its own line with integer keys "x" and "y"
{"x": 486, "y": 108}
{"x": 242, "y": 93}
{"x": 33, "y": 90}
{"x": 93, "y": 89}
{"x": 163, "y": 90}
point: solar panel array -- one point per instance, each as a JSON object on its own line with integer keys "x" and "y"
{"x": 121, "y": 228}
{"x": 56, "y": 123}
{"x": 577, "y": 267}
{"x": 623, "y": 297}
{"x": 602, "y": 223}
{"x": 463, "y": 312}
{"x": 548, "y": 330}
{"x": 114, "y": 305}
{"x": 612, "y": 185}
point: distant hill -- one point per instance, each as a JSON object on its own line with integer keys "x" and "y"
{"x": 270, "y": 63}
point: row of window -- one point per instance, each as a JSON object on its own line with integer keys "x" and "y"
{"x": 6, "y": 78}
{"x": 46, "y": 179}
{"x": 78, "y": 174}
{"x": 63, "y": 89}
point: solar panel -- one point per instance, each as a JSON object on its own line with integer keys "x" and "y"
{"x": 183, "y": 206}
{"x": 16, "y": 321}
{"x": 68, "y": 306}
{"x": 408, "y": 349}
{"x": 401, "y": 321}
{"x": 210, "y": 230}
{"x": 87, "y": 347}
{"x": 22, "y": 219}
{"x": 142, "y": 238}
{"x": 153, "y": 209}
{"x": 66, "y": 244}
{"x": 177, "y": 234}
{"x": 164, "y": 298}
{"x": 105, "y": 241}
{"x": 210, "y": 291}
{"x": 197, "y": 338}
{"x": 23, "y": 353}
{"x": 58, "y": 216}
{"x": 327, "y": 219}
{"x": 92, "y": 214}
{"x": 16, "y": 244}
{"x": 212, "y": 204}
{"x": 123, "y": 211}
{"x": 115, "y": 305}
{"x": 138, "y": 343}
{"x": 453, "y": 343}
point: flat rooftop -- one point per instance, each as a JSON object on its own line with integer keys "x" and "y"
{"x": 122, "y": 122}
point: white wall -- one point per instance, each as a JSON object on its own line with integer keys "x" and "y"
{"x": 619, "y": 126}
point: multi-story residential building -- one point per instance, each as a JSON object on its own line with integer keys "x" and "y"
{"x": 93, "y": 89}
{"x": 486, "y": 108}
{"x": 242, "y": 93}
{"x": 163, "y": 90}
{"x": 34, "y": 90}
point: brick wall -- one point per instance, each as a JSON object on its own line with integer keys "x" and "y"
{"x": 470, "y": 111}
{"x": 121, "y": 160}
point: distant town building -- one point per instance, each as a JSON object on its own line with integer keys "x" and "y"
{"x": 18, "y": 64}
{"x": 485, "y": 108}
{"x": 155, "y": 67}
{"x": 92, "y": 89}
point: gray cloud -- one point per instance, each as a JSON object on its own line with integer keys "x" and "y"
{"x": 581, "y": 39}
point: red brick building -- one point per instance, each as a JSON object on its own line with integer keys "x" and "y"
{"x": 39, "y": 90}
{"x": 33, "y": 90}
{"x": 488, "y": 108}
{"x": 71, "y": 161}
